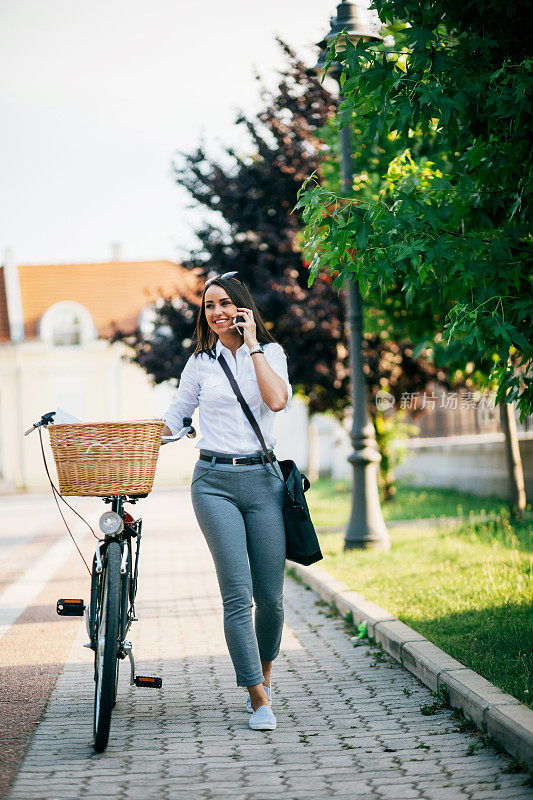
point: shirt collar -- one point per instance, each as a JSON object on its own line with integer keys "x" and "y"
{"x": 219, "y": 348}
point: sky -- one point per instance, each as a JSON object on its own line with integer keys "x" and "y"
{"x": 96, "y": 99}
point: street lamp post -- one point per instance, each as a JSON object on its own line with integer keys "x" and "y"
{"x": 366, "y": 528}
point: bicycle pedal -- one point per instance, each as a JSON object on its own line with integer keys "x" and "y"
{"x": 149, "y": 682}
{"x": 70, "y": 608}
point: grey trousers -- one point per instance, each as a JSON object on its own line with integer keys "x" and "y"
{"x": 239, "y": 510}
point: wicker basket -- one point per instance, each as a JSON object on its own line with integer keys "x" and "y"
{"x": 106, "y": 458}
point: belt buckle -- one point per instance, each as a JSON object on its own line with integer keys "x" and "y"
{"x": 238, "y": 461}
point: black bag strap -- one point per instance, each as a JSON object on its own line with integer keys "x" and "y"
{"x": 247, "y": 410}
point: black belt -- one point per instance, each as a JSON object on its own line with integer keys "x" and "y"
{"x": 239, "y": 461}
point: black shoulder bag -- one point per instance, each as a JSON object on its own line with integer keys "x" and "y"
{"x": 301, "y": 539}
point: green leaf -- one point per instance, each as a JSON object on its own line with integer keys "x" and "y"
{"x": 363, "y": 235}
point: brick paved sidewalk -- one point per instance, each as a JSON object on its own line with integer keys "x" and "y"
{"x": 348, "y": 725}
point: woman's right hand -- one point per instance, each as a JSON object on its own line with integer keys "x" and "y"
{"x": 166, "y": 431}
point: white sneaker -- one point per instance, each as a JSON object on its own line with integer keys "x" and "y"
{"x": 268, "y": 690}
{"x": 262, "y": 719}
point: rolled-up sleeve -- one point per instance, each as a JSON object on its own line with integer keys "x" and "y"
{"x": 277, "y": 360}
{"x": 186, "y": 398}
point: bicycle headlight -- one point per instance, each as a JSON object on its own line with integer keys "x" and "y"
{"x": 111, "y": 523}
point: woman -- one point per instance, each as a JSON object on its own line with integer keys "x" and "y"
{"x": 236, "y": 494}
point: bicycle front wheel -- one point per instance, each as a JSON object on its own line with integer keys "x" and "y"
{"x": 107, "y": 633}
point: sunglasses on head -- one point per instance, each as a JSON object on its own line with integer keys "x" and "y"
{"x": 209, "y": 281}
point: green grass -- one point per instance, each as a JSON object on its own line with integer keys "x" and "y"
{"x": 329, "y": 502}
{"x": 466, "y": 588}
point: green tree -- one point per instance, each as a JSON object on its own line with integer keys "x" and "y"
{"x": 390, "y": 314}
{"x": 450, "y": 229}
{"x": 396, "y": 333}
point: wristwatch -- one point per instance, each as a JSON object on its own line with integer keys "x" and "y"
{"x": 257, "y": 349}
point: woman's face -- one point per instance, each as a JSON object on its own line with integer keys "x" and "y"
{"x": 219, "y": 309}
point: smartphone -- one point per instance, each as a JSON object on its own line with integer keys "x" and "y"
{"x": 239, "y": 318}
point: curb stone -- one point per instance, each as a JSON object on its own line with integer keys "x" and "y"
{"x": 499, "y": 714}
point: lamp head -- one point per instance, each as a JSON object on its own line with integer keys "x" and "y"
{"x": 357, "y": 20}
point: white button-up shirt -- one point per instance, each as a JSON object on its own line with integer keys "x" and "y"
{"x": 223, "y": 425}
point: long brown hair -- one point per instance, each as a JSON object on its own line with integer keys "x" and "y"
{"x": 239, "y": 294}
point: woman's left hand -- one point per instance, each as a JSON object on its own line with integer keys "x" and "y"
{"x": 248, "y": 327}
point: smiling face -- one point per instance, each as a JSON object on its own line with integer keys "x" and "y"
{"x": 219, "y": 309}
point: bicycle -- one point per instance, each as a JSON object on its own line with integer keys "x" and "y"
{"x": 111, "y": 608}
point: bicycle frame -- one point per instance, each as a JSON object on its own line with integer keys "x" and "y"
{"x": 129, "y": 569}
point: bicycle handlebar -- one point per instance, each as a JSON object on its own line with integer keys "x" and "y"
{"x": 45, "y": 420}
{"x": 188, "y": 430}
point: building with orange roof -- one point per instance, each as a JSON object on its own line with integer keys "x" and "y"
{"x": 55, "y": 324}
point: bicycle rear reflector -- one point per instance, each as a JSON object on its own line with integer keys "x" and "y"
{"x": 70, "y": 608}
{"x": 153, "y": 683}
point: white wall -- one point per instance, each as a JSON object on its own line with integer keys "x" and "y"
{"x": 474, "y": 464}
{"x": 291, "y": 430}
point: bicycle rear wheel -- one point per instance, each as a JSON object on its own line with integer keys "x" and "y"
{"x": 107, "y": 633}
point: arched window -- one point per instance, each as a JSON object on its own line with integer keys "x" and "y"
{"x": 148, "y": 323}
{"x": 67, "y": 324}
{"x": 147, "y": 319}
